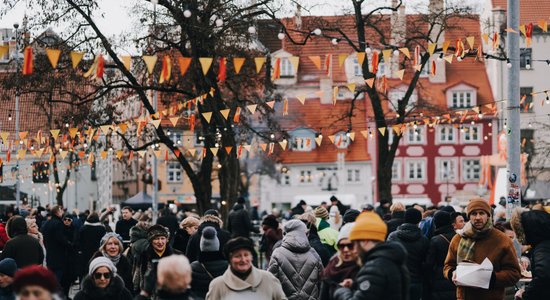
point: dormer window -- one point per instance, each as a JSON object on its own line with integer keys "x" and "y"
{"x": 287, "y": 69}
{"x": 341, "y": 140}
{"x": 302, "y": 139}
{"x": 461, "y": 95}
{"x": 357, "y": 69}
{"x": 462, "y": 99}
{"x": 302, "y": 144}
{"x": 395, "y": 95}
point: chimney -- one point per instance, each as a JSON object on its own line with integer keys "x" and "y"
{"x": 436, "y": 10}
{"x": 398, "y": 31}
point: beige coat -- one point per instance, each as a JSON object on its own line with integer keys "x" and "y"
{"x": 260, "y": 285}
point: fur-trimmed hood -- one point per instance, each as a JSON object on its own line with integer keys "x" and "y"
{"x": 115, "y": 290}
{"x": 531, "y": 227}
{"x": 211, "y": 219}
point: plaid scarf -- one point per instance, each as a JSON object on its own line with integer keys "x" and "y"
{"x": 466, "y": 246}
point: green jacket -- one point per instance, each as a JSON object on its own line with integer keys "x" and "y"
{"x": 327, "y": 235}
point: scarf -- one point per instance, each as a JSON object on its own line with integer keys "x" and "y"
{"x": 338, "y": 273}
{"x": 466, "y": 246}
{"x": 115, "y": 259}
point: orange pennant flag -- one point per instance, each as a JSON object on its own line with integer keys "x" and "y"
{"x": 433, "y": 68}
{"x": 206, "y": 62}
{"x": 174, "y": 121}
{"x": 126, "y": 61}
{"x": 276, "y": 69}
{"x": 228, "y": 149}
{"x": 100, "y": 66}
{"x": 543, "y": 25}
{"x": 184, "y": 63}
{"x": 76, "y": 57}
{"x": 445, "y": 46}
{"x": 259, "y": 61}
{"x": 375, "y": 60}
{"x": 237, "y": 116}
{"x": 28, "y": 63}
{"x": 238, "y": 64}
{"x": 285, "y": 107}
{"x": 150, "y": 61}
{"x": 406, "y": 51}
{"x": 360, "y": 58}
{"x": 166, "y": 71}
{"x": 316, "y": 61}
{"x": 222, "y": 70}
{"x": 399, "y": 74}
{"x": 53, "y": 56}
{"x": 3, "y": 51}
{"x": 341, "y": 59}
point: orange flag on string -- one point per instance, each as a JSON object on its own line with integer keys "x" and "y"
{"x": 184, "y": 63}
{"x": 277, "y": 69}
{"x": 192, "y": 122}
{"x": 100, "y": 66}
{"x": 285, "y": 107}
{"x": 166, "y": 72}
{"x": 222, "y": 71}
{"x": 28, "y": 63}
{"x": 237, "y": 116}
{"x": 328, "y": 65}
{"x": 375, "y": 60}
{"x": 433, "y": 69}
{"x": 528, "y": 34}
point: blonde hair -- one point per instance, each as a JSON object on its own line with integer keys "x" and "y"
{"x": 189, "y": 222}
{"x": 174, "y": 273}
{"x": 30, "y": 222}
{"x": 397, "y": 206}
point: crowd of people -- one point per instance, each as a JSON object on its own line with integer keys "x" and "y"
{"x": 326, "y": 252}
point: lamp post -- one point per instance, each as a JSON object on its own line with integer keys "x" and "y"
{"x": 17, "y": 185}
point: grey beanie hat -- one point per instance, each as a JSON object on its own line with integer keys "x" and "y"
{"x": 209, "y": 240}
{"x": 101, "y": 262}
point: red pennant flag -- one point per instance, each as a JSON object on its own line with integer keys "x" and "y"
{"x": 100, "y": 66}
{"x": 239, "y": 151}
{"x": 433, "y": 69}
{"x": 528, "y": 34}
{"x": 177, "y": 152}
{"x": 28, "y": 61}
{"x": 277, "y": 69}
{"x": 131, "y": 156}
{"x": 166, "y": 155}
{"x": 459, "y": 48}
{"x": 416, "y": 56}
{"x": 222, "y": 72}
{"x": 328, "y": 65}
{"x": 166, "y": 69}
{"x": 375, "y": 62}
{"x": 192, "y": 122}
{"x": 184, "y": 63}
{"x": 237, "y": 116}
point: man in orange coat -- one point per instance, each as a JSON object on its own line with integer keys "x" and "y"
{"x": 475, "y": 242}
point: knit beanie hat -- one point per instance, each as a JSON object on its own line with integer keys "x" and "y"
{"x": 99, "y": 262}
{"x": 448, "y": 209}
{"x": 8, "y": 267}
{"x": 413, "y": 216}
{"x": 34, "y": 275}
{"x": 156, "y": 231}
{"x": 478, "y": 203}
{"x": 209, "y": 240}
{"x": 109, "y": 235}
{"x": 237, "y": 244}
{"x": 345, "y": 231}
{"x": 441, "y": 219}
{"x": 271, "y": 221}
{"x": 350, "y": 215}
{"x": 321, "y": 212}
{"x": 368, "y": 226}
{"x": 212, "y": 212}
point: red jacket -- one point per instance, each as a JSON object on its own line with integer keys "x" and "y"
{"x": 3, "y": 235}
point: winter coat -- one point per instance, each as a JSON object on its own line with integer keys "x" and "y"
{"x": 123, "y": 227}
{"x": 327, "y": 235}
{"x": 25, "y": 250}
{"x": 209, "y": 266}
{"x": 193, "y": 247}
{"x": 181, "y": 239}
{"x": 169, "y": 221}
{"x": 7, "y": 293}
{"x": 384, "y": 275}
{"x": 259, "y": 285}
{"x": 269, "y": 238}
{"x": 333, "y": 275}
{"x": 87, "y": 242}
{"x": 324, "y": 251}
{"x": 438, "y": 287}
{"x": 3, "y": 235}
{"x": 138, "y": 242}
{"x": 56, "y": 243}
{"x": 416, "y": 244}
{"x": 123, "y": 269}
{"x": 499, "y": 249}
{"x": 164, "y": 295}
{"x": 397, "y": 219}
{"x": 114, "y": 291}
{"x": 239, "y": 223}
{"x": 297, "y": 266}
{"x": 144, "y": 271}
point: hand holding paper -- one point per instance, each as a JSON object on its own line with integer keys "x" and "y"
{"x": 474, "y": 275}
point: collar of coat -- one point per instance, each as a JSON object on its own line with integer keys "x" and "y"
{"x": 235, "y": 283}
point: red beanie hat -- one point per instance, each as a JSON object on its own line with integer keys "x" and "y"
{"x": 34, "y": 275}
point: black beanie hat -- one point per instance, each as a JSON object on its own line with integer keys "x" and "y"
{"x": 413, "y": 216}
{"x": 236, "y": 244}
{"x": 212, "y": 212}
{"x": 271, "y": 221}
{"x": 448, "y": 209}
{"x": 350, "y": 215}
{"x": 441, "y": 219}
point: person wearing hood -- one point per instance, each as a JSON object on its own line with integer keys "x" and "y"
{"x": 477, "y": 241}
{"x": 410, "y": 236}
{"x": 24, "y": 249}
{"x": 210, "y": 218}
{"x": 102, "y": 282}
{"x": 533, "y": 228}
{"x": 8, "y": 267}
{"x": 342, "y": 267}
{"x": 327, "y": 234}
{"x": 439, "y": 288}
{"x": 384, "y": 273}
{"x": 239, "y": 223}
{"x": 111, "y": 247}
{"x": 88, "y": 240}
{"x": 211, "y": 263}
{"x": 397, "y": 211}
{"x": 324, "y": 251}
{"x": 297, "y": 266}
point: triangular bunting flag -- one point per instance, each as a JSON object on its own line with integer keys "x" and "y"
{"x": 316, "y": 59}
{"x": 471, "y": 40}
{"x": 295, "y": 61}
{"x": 192, "y": 151}
{"x": 543, "y": 25}
{"x": 119, "y": 154}
{"x": 228, "y": 149}
{"x": 4, "y": 50}
{"x": 4, "y": 135}
{"x": 238, "y": 64}
{"x": 522, "y": 29}
{"x": 405, "y": 51}
{"x": 207, "y": 116}
{"x": 23, "y": 135}
{"x": 174, "y": 121}
{"x": 76, "y": 57}
{"x": 142, "y": 153}
{"x": 397, "y": 129}
{"x": 352, "y": 136}
{"x": 301, "y": 98}
{"x": 259, "y": 61}
{"x": 157, "y": 153}
{"x": 331, "y": 138}
{"x": 73, "y": 132}
{"x": 123, "y": 127}
{"x": 55, "y": 133}
{"x": 418, "y": 68}
{"x": 446, "y": 45}
{"x": 156, "y": 123}
{"x": 63, "y": 154}
{"x": 382, "y": 130}
{"x": 370, "y": 82}
{"x": 431, "y": 48}
{"x": 225, "y": 113}
{"x": 126, "y": 61}
{"x": 104, "y": 154}
{"x": 271, "y": 104}
{"x": 184, "y": 63}
{"x": 150, "y": 61}
{"x": 511, "y": 30}
{"x": 21, "y": 153}
{"x": 360, "y": 58}
{"x": 448, "y": 58}
{"x": 263, "y": 146}
{"x": 252, "y": 108}
{"x": 39, "y": 152}
{"x": 214, "y": 151}
{"x": 351, "y": 87}
{"x": 365, "y": 133}
{"x": 105, "y": 129}
{"x": 319, "y": 140}
{"x": 53, "y": 56}
{"x": 247, "y": 147}
{"x": 387, "y": 55}
{"x": 206, "y": 62}
{"x": 341, "y": 59}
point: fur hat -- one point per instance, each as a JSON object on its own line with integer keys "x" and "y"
{"x": 368, "y": 226}
{"x": 8, "y": 267}
{"x": 237, "y": 244}
{"x": 209, "y": 240}
{"x": 99, "y": 262}
{"x": 189, "y": 222}
{"x": 34, "y": 275}
{"x": 321, "y": 212}
{"x": 478, "y": 204}
{"x": 413, "y": 216}
{"x": 156, "y": 231}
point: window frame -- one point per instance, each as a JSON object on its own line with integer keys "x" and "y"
{"x": 465, "y": 133}
{"x": 528, "y": 92}
{"x": 439, "y": 178}
{"x": 287, "y": 69}
{"x": 465, "y": 171}
{"x": 423, "y": 167}
{"x": 466, "y": 94}
{"x": 398, "y": 165}
{"x": 306, "y": 177}
{"x": 421, "y": 129}
{"x": 171, "y": 171}
{"x": 439, "y": 136}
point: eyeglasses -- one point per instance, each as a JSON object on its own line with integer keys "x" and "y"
{"x": 343, "y": 246}
{"x": 104, "y": 275}
{"x": 68, "y": 219}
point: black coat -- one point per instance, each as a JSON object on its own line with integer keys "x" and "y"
{"x": 114, "y": 291}
{"x": 536, "y": 225}
{"x": 25, "y": 250}
{"x": 122, "y": 227}
{"x": 163, "y": 295}
{"x": 193, "y": 247}
{"x": 56, "y": 243}
{"x": 211, "y": 262}
{"x": 169, "y": 221}
{"x": 383, "y": 276}
{"x": 123, "y": 269}
{"x": 397, "y": 219}
{"x": 181, "y": 239}
{"x": 239, "y": 223}
{"x": 87, "y": 242}
{"x": 416, "y": 244}
{"x": 438, "y": 287}
{"x": 321, "y": 249}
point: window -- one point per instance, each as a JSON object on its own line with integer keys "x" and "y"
{"x": 525, "y": 58}
{"x": 396, "y": 170}
{"x": 416, "y": 135}
{"x": 176, "y": 137}
{"x": 462, "y": 99}
{"x": 341, "y": 140}
{"x": 286, "y": 179}
{"x": 305, "y": 177}
{"x": 174, "y": 172}
{"x": 381, "y": 68}
{"x": 470, "y": 169}
{"x": 471, "y": 133}
{"x": 357, "y": 69}
{"x": 446, "y": 134}
{"x": 447, "y": 170}
{"x": 287, "y": 69}
{"x": 354, "y": 175}
{"x": 416, "y": 170}
{"x": 399, "y": 93}
{"x": 302, "y": 144}
{"x": 426, "y": 71}
{"x": 527, "y": 103}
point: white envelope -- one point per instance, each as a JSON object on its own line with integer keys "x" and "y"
{"x": 474, "y": 275}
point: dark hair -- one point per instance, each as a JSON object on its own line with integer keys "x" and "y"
{"x": 128, "y": 208}
{"x": 93, "y": 218}
{"x": 56, "y": 209}
{"x": 454, "y": 216}
{"x": 507, "y": 225}
{"x": 500, "y": 226}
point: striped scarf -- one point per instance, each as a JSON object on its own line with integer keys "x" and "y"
{"x": 466, "y": 246}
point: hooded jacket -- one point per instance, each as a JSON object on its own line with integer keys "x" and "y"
{"x": 383, "y": 276}
{"x": 23, "y": 248}
{"x": 114, "y": 291}
{"x": 297, "y": 266}
{"x": 534, "y": 229}
{"x": 416, "y": 244}
{"x": 239, "y": 222}
{"x": 209, "y": 266}
{"x": 56, "y": 243}
{"x": 193, "y": 247}
{"x": 88, "y": 240}
{"x": 438, "y": 287}
{"x": 397, "y": 219}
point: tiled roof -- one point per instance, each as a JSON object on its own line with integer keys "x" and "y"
{"x": 530, "y": 10}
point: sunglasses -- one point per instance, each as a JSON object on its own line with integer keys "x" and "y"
{"x": 344, "y": 246}
{"x": 98, "y": 275}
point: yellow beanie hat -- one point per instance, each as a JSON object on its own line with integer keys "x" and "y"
{"x": 368, "y": 226}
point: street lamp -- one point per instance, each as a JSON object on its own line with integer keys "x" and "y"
{"x": 17, "y": 186}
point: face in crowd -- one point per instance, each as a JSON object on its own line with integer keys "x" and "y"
{"x": 126, "y": 214}
{"x": 191, "y": 229}
{"x": 5, "y": 280}
{"x": 241, "y": 260}
{"x": 34, "y": 292}
{"x": 458, "y": 223}
{"x": 33, "y": 228}
{"x": 479, "y": 218}
{"x": 102, "y": 277}
{"x": 112, "y": 247}
{"x": 346, "y": 250}
{"x": 159, "y": 243}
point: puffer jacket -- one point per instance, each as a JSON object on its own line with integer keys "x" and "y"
{"x": 416, "y": 244}
{"x": 209, "y": 266}
{"x": 239, "y": 223}
{"x": 297, "y": 266}
{"x": 397, "y": 219}
{"x": 439, "y": 288}
{"x": 383, "y": 276}
{"x": 114, "y": 291}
